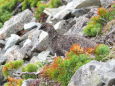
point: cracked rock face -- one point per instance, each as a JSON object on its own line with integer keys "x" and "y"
{"x": 95, "y": 74}
{"x": 106, "y": 3}
{"x": 15, "y": 24}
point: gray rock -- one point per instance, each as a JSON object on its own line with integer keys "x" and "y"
{"x": 42, "y": 57}
{"x": 15, "y": 24}
{"x": 77, "y": 29}
{"x": 64, "y": 25}
{"x": 33, "y": 35}
{"x": 11, "y": 41}
{"x": 30, "y": 82}
{"x": 2, "y": 58}
{"x": 2, "y": 43}
{"x": 42, "y": 43}
{"x": 75, "y": 4}
{"x": 106, "y": 3}
{"x": 92, "y": 12}
{"x": 26, "y": 49}
{"x": 80, "y": 12}
{"x": 95, "y": 74}
{"x": 32, "y": 25}
{"x": 14, "y": 53}
{"x": 51, "y": 12}
{"x": 56, "y": 14}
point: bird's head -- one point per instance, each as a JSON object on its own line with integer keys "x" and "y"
{"x": 47, "y": 27}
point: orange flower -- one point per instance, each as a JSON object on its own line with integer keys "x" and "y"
{"x": 101, "y": 11}
{"x": 4, "y": 69}
{"x": 76, "y": 48}
{"x": 89, "y": 50}
{"x": 10, "y": 79}
{"x": 95, "y": 18}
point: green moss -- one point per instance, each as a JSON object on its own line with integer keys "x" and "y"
{"x": 92, "y": 29}
{"x": 6, "y": 9}
{"x": 54, "y": 3}
{"x": 40, "y": 7}
{"x": 102, "y": 51}
{"x": 30, "y": 68}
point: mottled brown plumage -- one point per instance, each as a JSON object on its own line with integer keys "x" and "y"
{"x": 61, "y": 43}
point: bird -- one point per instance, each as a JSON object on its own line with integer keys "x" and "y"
{"x": 60, "y": 44}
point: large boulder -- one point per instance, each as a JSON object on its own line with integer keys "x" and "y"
{"x": 75, "y": 4}
{"x": 16, "y": 23}
{"x": 95, "y": 74}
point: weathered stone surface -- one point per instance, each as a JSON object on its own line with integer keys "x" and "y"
{"x": 32, "y": 34}
{"x": 26, "y": 49}
{"x": 95, "y": 74}
{"x": 15, "y": 24}
{"x": 2, "y": 58}
{"x": 107, "y": 37}
{"x": 106, "y": 3}
{"x": 56, "y": 14}
{"x": 77, "y": 29}
{"x": 32, "y": 25}
{"x": 51, "y": 12}
{"x": 64, "y": 25}
{"x": 31, "y": 82}
{"x": 42, "y": 43}
{"x": 11, "y": 41}
{"x": 80, "y": 12}
{"x": 75, "y": 4}
{"x": 42, "y": 57}
{"x": 14, "y": 53}
{"x": 2, "y": 43}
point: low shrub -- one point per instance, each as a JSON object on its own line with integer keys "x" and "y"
{"x": 13, "y": 82}
{"x": 62, "y": 69}
{"x": 8, "y": 6}
{"x": 96, "y": 23}
{"x": 101, "y": 51}
{"x": 11, "y": 66}
{"x": 31, "y": 68}
{"x": 92, "y": 29}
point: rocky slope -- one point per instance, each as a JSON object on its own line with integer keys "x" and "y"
{"x": 21, "y": 39}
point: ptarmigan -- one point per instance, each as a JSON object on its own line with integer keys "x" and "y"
{"x": 61, "y": 43}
